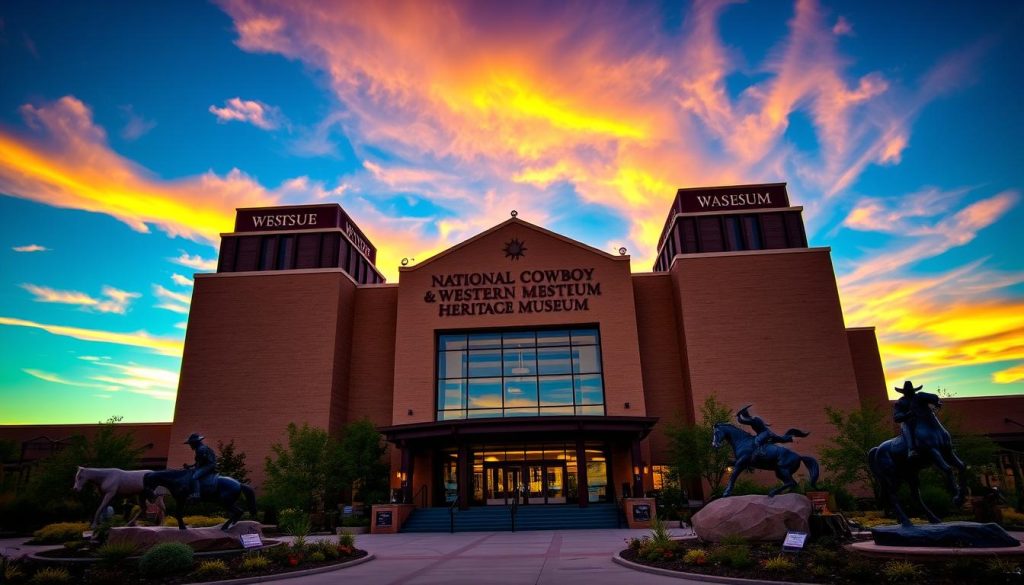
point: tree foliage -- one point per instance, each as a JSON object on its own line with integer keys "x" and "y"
{"x": 362, "y": 462}
{"x": 846, "y": 454}
{"x": 690, "y": 449}
{"x": 314, "y": 470}
{"x": 109, "y": 447}
{"x": 231, "y": 461}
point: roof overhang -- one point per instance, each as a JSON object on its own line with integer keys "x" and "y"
{"x": 523, "y": 429}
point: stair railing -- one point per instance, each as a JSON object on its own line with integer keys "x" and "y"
{"x": 451, "y": 514}
{"x": 514, "y": 506}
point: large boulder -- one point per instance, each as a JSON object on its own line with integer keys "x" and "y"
{"x": 756, "y": 518}
{"x": 200, "y": 539}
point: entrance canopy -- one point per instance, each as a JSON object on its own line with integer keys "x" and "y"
{"x": 632, "y": 428}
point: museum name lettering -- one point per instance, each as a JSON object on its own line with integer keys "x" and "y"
{"x": 285, "y": 220}
{"x": 734, "y": 200}
{"x": 500, "y": 293}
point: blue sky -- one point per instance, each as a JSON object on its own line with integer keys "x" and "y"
{"x": 129, "y": 132}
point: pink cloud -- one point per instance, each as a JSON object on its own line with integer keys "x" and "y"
{"x": 256, "y": 113}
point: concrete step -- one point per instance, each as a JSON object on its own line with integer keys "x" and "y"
{"x": 535, "y": 517}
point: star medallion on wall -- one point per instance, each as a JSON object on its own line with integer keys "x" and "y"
{"x": 515, "y": 249}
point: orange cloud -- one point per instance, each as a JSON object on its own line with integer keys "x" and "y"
{"x": 67, "y": 163}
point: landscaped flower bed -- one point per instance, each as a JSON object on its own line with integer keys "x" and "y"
{"x": 173, "y": 563}
{"x": 819, "y": 563}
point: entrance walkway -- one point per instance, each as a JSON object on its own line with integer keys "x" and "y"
{"x": 501, "y": 558}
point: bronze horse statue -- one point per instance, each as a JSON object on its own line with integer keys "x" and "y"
{"x": 773, "y": 457}
{"x": 214, "y": 488}
{"x": 891, "y": 465}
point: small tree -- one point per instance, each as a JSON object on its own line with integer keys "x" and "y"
{"x": 362, "y": 462}
{"x": 693, "y": 458}
{"x": 305, "y": 473}
{"x": 231, "y": 462}
{"x": 846, "y": 454}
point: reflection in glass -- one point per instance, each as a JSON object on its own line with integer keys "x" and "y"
{"x": 589, "y": 389}
{"x": 484, "y": 341}
{"x": 520, "y": 362}
{"x": 520, "y": 392}
{"x": 556, "y": 391}
{"x": 448, "y": 342}
{"x": 553, "y": 360}
{"x": 451, "y": 394}
{"x": 485, "y": 362}
{"x": 451, "y": 364}
{"x": 586, "y": 359}
{"x": 547, "y": 338}
{"x": 484, "y": 393}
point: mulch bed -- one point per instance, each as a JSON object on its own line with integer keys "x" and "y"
{"x": 832, "y": 564}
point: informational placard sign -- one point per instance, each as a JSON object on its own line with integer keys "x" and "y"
{"x": 347, "y": 510}
{"x": 641, "y": 512}
{"x": 383, "y": 518}
{"x": 251, "y": 540}
{"x": 794, "y": 541}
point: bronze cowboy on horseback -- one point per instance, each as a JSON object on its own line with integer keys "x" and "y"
{"x": 205, "y": 465}
{"x": 765, "y": 436}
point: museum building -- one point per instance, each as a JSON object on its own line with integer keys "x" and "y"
{"x": 521, "y": 357}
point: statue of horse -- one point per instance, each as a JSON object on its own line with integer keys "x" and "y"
{"x": 214, "y": 488}
{"x": 113, "y": 483}
{"x": 891, "y": 466}
{"x": 778, "y": 459}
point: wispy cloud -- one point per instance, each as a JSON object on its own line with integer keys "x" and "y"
{"x": 31, "y": 248}
{"x": 135, "y": 126}
{"x": 155, "y": 382}
{"x": 116, "y": 301}
{"x": 254, "y": 112}
{"x": 182, "y": 280}
{"x": 58, "y": 379}
{"x": 172, "y": 301}
{"x": 161, "y": 345}
{"x": 196, "y": 261}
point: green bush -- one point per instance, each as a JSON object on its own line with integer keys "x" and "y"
{"x": 659, "y": 532}
{"x": 51, "y": 576}
{"x": 115, "y": 552}
{"x": 59, "y": 533}
{"x": 902, "y": 572}
{"x": 317, "y": 557}
{"x": 347, "y": 540}
{"x": 732, "y": 555}
{"x": 778, "y": 564}
{"x": 254, "y": 563}
{"x": 196, "y": 521}
{"x": 214, "y": 568}
{"x": 696, "y": 556}
{"x": 166, "y": 559}
{"x": 734, "y": 539}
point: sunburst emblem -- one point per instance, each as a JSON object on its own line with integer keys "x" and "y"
{"x": 515, "y": 249}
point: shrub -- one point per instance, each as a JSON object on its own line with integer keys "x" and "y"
{"x": 11, "y": 571}
{"x": 823, "y": 556}
{"x": 214, "y": 568}
{"x": 696, "y": 556}
{"x": 196, "y": 521}
{"x": 860, "y": 570}
{"x": 632, "y": 543}
{"x": 1002, "y": 570}
{"x": 778, "y": 564}
{"x": 254, "y": 563}
{"x": 733, "y": 539}
{"x": 317, "y": 557}
{"x": 1013, "y": 518}
{"x": 346, "y": 544}
{"x": 59, "y": 533}
{"x": 51, "y": 575}
{"x": 166, "y": 559}
{"x": 732, "y": 555}
{"x": 76, "y": 544}
{"x": 659, "y": 532}
{"x": 115, "y": 552}
{"x": 327, "y": 549}
{"x": 901, "y": 572}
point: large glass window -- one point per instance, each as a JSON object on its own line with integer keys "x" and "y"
{"x": 553, "y": 372}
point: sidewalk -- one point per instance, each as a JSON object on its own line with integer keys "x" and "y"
{"x": 563, "y": 557}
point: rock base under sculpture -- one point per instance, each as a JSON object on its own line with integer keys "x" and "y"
{"x": 200, "y": 539}
{"x": 756, "y": 518}
{"x": 945, "y": 535}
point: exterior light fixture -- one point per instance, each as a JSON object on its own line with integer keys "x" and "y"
{"x": 405, "y": 261}
{"x": 622, "y": 251}
{"x": 626, "y": 406}
{"x": 410, "y": 412}
{"x": 514, "y": 213}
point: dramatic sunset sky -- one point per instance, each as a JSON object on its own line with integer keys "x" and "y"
{"x": 130, "y": 131}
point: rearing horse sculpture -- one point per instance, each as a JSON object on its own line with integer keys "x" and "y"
{"x": 778, "y": 459}
{"x": 891, "y": 465}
